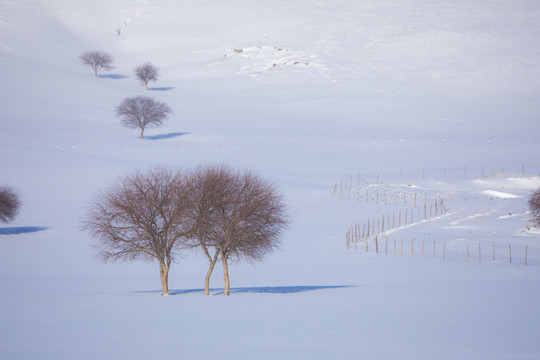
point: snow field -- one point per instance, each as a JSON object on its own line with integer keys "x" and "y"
{"x": 419, "y": 88}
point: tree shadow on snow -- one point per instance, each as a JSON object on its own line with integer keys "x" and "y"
{"x": 112, "y": 76}
{"x": 167, "y": 88}
{"x": 21, "y": 230}
{"x": 252, "y": 290}
{"x": 280, "y": 289}
{"x": 166, "y": 136}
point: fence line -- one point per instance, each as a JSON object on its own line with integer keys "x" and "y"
{"x": 501, "y": 256}
{"x": 346, "y": 187}
{"x": 409, "y": 209}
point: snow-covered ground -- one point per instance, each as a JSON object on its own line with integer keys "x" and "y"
{"x": 406, "y": 103}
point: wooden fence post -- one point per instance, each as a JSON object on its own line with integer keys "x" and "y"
{"x": 364, "y": 231}
{"x": 479, "y": 253}
{"x": 406, "y": 215}
{"x": 444, "y": 252}
{"x": 367, "y": 243}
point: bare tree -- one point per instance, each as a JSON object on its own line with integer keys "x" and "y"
{"x": 534, "y": 205}
{"x": 142, "y": 112}
{"x": 145, "y": 73}
{"x": 97, "y": 60}
{"x": 140, "y": 217}
{"x": 205, "y": 185}
{"x": 236, "y": 215}
{"x": 10, "y": 204}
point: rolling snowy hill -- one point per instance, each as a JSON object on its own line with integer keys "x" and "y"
{"x": 358, "y": 111}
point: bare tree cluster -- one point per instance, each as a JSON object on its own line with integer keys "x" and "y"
{"x": 152, "y": 215}
{"x": 142, "y": 112}
{"x": 10, "y": 204}
{"x": 101, "y": 60}
{"x": 136, "y": 112}
{"x": 97, "y": 60}
{"x": 534, "y": 205}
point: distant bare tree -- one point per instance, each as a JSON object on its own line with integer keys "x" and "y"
{"x": 10, "y": 204}
{"x": 236, "y": 215}
{"x": 145, "y": 73}
{"x": 142, "y": 112}
{"x": 534, "y": 205}
{"x": 97, "y": 60}
{"x": 140, "y": 217}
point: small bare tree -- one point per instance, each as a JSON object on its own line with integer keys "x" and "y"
{"x": 10, "y": 204}
{"x": 140, "y": 217}
{"x": 534, "y": 205}
{"x": 97, "y": 60}
{"x": 236, "y": 215}
{"x": 145, "y": 73}
{"x": 142, "y": 112}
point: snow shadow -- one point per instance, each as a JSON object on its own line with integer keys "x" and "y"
{"x": 166, "y": 136}
{"x": 21, "y": 230}
{"x": 280, "y": 289}
{"x": 252, "y": 290}
{"x": 161, "y": 88}
{"x": 112, "y": 76}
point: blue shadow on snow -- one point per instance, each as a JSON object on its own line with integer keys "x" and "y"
{"x": 253, "y": 290}
{"x": 112, "y": 76}
{"x": 21, "y": 230}
{"x": 165, "y": 136}
{"x": 160, "y": 88}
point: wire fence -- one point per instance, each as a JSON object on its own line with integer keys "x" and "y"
{"x": 456, "y": 251}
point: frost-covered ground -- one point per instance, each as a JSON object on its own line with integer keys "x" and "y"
{"x": 330, "y": 100}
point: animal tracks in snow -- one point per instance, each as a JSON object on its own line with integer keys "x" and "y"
{"x": 127, "y": 22}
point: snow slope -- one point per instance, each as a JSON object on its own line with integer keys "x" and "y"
{"x": 432, "y": 98}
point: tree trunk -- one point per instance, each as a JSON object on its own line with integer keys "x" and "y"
{"x": 142, "y": 133}
{"x": 209, "y": 273}
{"x": 226, "y": 275}
{"x": 164, "y": 275}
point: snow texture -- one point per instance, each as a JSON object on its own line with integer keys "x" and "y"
{"x": 356, "y": 110}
